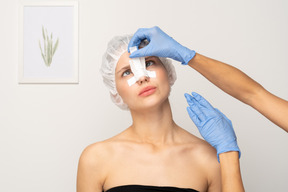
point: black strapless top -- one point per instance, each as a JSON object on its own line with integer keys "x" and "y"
{"x": 147, "y": 188}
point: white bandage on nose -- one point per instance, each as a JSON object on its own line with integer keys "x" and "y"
{"x": 138, "y": 67}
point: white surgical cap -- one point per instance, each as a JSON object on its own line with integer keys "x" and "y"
{"x": 116, "y": 47}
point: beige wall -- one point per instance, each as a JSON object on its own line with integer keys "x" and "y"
{"x": 44, "y": 128}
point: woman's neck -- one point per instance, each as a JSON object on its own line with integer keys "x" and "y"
{"x": 155, "y": 126}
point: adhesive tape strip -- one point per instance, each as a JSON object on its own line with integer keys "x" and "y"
{"x": 138, "y": 67}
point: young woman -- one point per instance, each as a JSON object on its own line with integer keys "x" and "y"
{"x": 154, "y": 153}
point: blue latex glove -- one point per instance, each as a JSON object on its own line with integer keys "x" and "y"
{"x": 212, "y": 124}
{"x": 160, "y": 45}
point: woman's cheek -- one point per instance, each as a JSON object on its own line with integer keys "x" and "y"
{"x": 164, "y": 80}
{"x": 123, "y": 89}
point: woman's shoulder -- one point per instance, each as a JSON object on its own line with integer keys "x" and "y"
{"x": 95, "y": 157}
{"x": 94, "y": 160}
{"x": 198, "y": 147}
{"x": 103, "y": 149}
{"x": 93, "y": 154}
{"x": 100, "y": 148}
{"x": 200, "y": 153}
{"x": 204, "y": 157}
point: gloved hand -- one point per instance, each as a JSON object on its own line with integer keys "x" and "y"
{"x": 212, "y": 124}
{"x": 160, "y": 45}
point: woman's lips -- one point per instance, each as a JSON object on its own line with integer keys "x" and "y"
{"x": 147, "y": 91}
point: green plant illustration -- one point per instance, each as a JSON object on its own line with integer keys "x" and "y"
{"x": 49, "y": 48}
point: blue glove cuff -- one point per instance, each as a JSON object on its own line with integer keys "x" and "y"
{"x": 187, "y": 57}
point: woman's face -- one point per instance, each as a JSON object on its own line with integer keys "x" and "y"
{"x": 146, "y": 92}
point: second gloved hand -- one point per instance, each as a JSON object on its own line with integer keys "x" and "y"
{"x": 212, "y": 124}
{"x": 160, "y": 45}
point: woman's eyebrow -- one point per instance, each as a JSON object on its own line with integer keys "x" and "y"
{"x": 123, "y": 68}
{"x": 150, "y": 57}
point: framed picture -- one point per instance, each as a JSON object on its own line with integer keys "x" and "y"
{"x": 48, "y": 42}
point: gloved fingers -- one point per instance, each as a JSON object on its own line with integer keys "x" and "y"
{"x": 140, "y": 35}
{"x": 189, "y": 99}
{"x": 194, "y": 107}
{"x": 202, "y": 101}
{"x": 194, "y": 117}
{"x": 143, "y": 52}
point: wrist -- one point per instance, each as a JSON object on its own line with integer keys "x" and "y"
{"x": 230, "y": 156}
{"x": 195, "y": 60}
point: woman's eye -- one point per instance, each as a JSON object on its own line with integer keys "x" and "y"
{"x": 126, "y": 73}
{"x": 149, "y": 63}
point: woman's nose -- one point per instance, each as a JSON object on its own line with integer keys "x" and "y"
{"x": 143, "y": 79}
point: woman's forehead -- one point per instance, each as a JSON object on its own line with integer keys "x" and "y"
{"x": 123, "y": 61}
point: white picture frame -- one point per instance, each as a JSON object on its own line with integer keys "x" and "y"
{"x": 48, "y": 42}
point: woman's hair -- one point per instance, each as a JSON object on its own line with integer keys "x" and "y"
{"x": 116, "y": 47}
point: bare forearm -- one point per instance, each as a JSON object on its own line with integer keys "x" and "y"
{"x": 230, "y": 172}
{"x": 272, "y": 107}
{"x": 230, "y": 79}
{"x": 237, "y": 84}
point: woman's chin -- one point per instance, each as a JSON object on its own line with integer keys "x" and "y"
{"x": 149, "y": 105}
